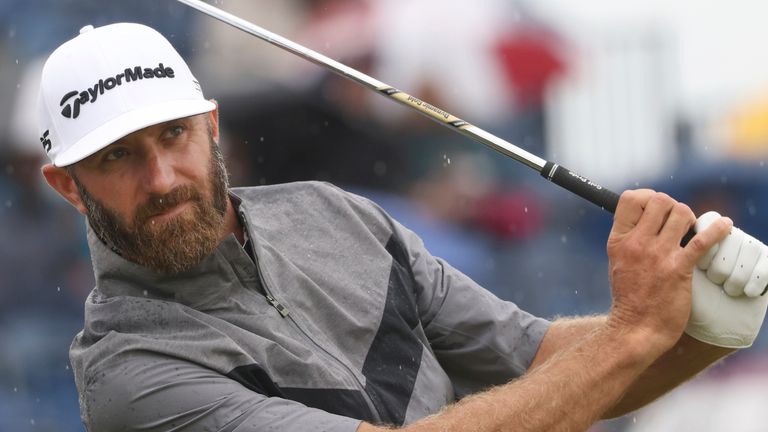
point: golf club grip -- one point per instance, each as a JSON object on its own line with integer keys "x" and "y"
{"x": 589, "y": 190}
{"x": 581, "y": 186}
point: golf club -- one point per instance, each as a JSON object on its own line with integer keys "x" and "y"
{"x": 551, "y": 171}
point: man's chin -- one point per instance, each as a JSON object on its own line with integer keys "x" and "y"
{"x": 174, "y": 243}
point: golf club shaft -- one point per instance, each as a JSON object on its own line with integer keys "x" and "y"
{"x": 553, "y": 172}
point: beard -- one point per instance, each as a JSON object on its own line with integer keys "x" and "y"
{"x": 174, "y": 245}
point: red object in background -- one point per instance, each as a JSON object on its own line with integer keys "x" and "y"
{"x": 511, "y": 215}
{"x": 530, "y": 59}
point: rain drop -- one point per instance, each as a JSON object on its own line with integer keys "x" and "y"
{"x": 525, "y": 209}
{"x": 261, "y": 139}
{"x": 32, "y": 422}
{"x": 671, "y": 177}
{"x": 8, "y": 204}
{"x": 751, "y": 208}
{"x": 380, "y": 168}
{"x": 146, "y": 293}
{"x": 762, "y": 163}
{"x": 58, "y": 289}
{"x": 564, "y": 239}
{"x": 15, "y": 389}
{"x": 17, "y": 61}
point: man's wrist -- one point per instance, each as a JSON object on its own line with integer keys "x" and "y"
{"x": 639, "y": 346}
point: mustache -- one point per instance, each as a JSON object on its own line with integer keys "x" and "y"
{"x": 161, "y": 203}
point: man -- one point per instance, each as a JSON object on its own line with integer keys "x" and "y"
{"x": 301, "y": 307}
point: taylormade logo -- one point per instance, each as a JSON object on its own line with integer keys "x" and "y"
{"x": 71, "y": 107}
{"x": 45, "y": 141}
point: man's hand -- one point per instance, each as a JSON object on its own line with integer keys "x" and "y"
{"x": 650, "y": 272}
{"x": 726, "y": 281}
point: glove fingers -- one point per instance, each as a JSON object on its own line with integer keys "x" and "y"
{"x": 759, "y": 277}
{"x": 745, "y": 264}
{"x": 702, "y": 223}
{"x": 725, "y": 259}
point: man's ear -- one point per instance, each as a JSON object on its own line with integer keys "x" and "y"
{"x": 213, "y": 121}
{"x": 59, "y": 179}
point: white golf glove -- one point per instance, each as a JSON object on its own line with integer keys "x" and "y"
{"x": 728, "y": 305}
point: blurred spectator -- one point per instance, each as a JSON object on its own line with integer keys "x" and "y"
{"x": 290, "y": 137}
{"x": 322, "y": 128}
{"x": 46, "y": 275}
{"x": 232, "y": 63}
{"x": 44, "y": 258}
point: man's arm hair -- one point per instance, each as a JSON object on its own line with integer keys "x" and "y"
{"x": 568, "y": 392}
{"x": 684, "y": 361}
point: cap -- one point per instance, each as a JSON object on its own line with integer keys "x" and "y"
{"x": 108, "y": 82}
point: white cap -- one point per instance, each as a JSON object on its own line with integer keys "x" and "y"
{"x": 109, "y": 82}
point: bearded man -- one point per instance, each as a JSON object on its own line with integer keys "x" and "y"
{"x": 302, "y": 307}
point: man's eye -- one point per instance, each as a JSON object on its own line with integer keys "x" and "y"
{"x": 174, "y": 131}
{"x": 115, "y": 154}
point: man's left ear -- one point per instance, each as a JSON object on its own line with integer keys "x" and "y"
{"x": 60, "y": 180}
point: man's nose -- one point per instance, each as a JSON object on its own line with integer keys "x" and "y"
{"x": 159, "y": 174}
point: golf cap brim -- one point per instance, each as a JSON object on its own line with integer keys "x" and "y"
{"x": 130, "y": 122}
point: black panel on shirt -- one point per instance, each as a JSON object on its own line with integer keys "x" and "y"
{"x": 394, "y": 358}
{"x": 348, "y": 403}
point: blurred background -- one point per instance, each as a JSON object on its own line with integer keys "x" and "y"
{"x": 669, "y": 95}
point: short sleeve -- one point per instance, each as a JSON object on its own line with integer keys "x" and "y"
{"x": 479, "y": 339}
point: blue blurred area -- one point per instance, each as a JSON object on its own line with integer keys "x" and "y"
{"x": 38, "y": 27}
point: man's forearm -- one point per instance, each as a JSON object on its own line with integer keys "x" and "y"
{"x": 556, "y": 396}
{"x": 686, "y": 359}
